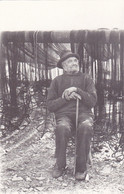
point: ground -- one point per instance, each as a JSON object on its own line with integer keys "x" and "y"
{"x": 27, "y": 160}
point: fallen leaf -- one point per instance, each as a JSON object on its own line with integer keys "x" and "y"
{"x": 28, "y": 179}
{"x": 16, "y": 178}
{"x": 106, "y": 170}
{"x": 40, "y": 178}
{"x": 39, "y": 188}
{"x": 87, "y": 178}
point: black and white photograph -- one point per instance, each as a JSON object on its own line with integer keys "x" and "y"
{"x": 62, "y": 97}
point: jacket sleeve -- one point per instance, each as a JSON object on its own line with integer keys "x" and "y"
{"x": 54, "y": 102}
{"x": 89, "y": 96}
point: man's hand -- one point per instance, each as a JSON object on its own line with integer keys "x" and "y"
{"x": 68, "y": 92}
{"x": 74, "y": 95}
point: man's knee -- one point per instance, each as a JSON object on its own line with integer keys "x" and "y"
{"x": 85, "y": 127}
{"x": 62, "y": 130}
{"x": 63, "y": 126}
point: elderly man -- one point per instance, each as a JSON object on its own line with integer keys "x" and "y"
{"x": 62, "y": 95}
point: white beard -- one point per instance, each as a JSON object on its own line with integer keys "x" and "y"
{"x": 73, "y": 70}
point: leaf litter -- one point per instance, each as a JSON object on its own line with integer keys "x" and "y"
{"x": 27, "y": 165}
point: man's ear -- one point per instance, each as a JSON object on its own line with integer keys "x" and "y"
{"x": 63, "y": 64}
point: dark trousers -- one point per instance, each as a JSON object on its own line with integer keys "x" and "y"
{"x": 64, "y": 126}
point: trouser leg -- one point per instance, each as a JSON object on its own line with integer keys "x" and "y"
{"x": 62, "y": 135}
{"x": 84, "y": 134}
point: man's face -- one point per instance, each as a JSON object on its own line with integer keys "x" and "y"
{"x": 71, "y": 65}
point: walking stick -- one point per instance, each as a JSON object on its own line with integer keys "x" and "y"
{"x": 77, "y": 113}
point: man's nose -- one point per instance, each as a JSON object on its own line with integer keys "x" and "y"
{"x": 74, "y": 62}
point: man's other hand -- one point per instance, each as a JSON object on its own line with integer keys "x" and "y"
{"x": 72, "y": 95}
{"x": 67, "y": 92}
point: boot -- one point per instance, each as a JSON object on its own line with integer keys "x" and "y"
{"x": 57, "y": 172}
{"x": 80, "y": 175}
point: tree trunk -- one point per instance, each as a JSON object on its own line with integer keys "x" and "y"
{"x": 13, "y": 80}
{"x": 2, "y": 67}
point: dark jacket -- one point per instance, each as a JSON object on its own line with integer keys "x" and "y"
{"x": 85, "y": 88}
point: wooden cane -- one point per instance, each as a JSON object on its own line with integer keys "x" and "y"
{"x": 77, "y": 114}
